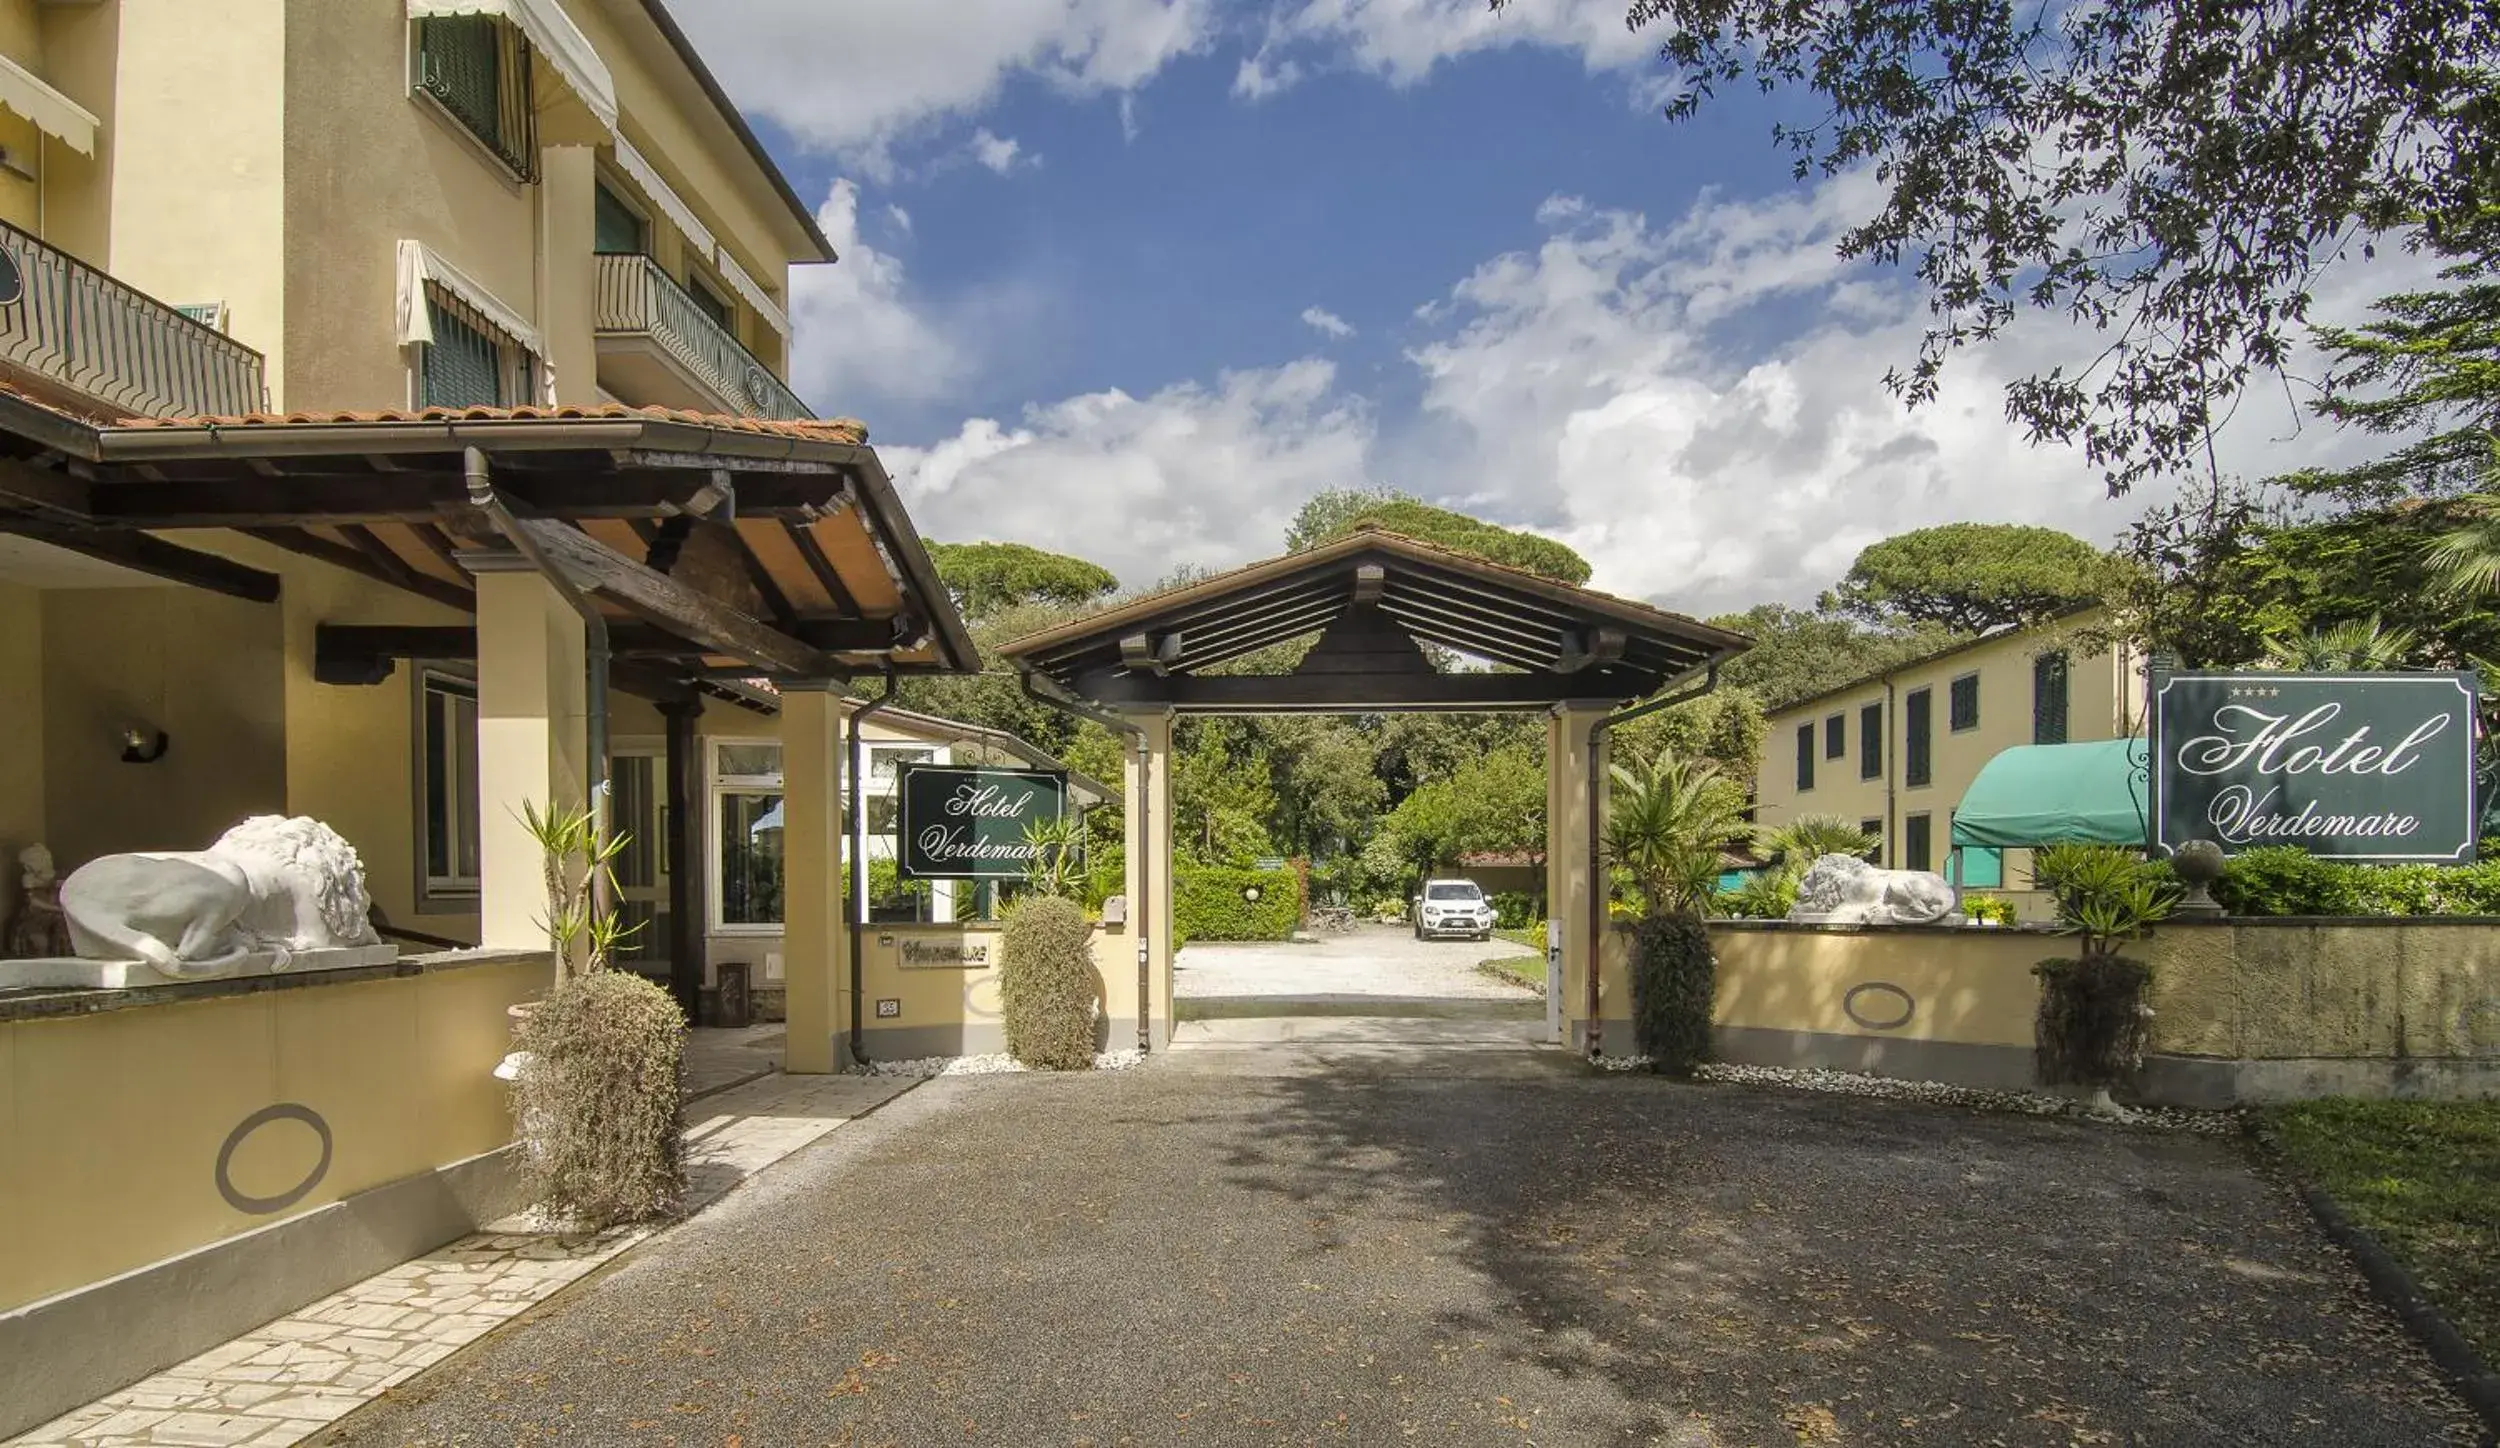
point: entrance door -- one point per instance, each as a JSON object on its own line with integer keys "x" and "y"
{"x": 640, "y": 813}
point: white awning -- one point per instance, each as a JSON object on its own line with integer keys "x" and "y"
{"x": 635, "y": 165}
{"x": 553, "y": 34}
{"x": 747, "y": 287}
{"x": 420, "y": 264}
{"x": 55, "y": 114}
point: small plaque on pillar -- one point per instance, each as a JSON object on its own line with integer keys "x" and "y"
{"x": 888, "y": 1010}
{"x": 1115, "y": 910}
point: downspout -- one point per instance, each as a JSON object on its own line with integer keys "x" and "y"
{"x": 857, "y": 905}
{"x": 1596, "y": 810}
{"x": 1076, "y": 708}
{"x": 1892, "y": 773}
{"x": 595, "y": 647}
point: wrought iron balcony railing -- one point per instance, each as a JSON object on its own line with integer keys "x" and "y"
{"x": 63, "y": 320}
{"x": 637, "y": 298}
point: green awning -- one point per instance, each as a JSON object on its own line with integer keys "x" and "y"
{"x": 2048, "y": 794}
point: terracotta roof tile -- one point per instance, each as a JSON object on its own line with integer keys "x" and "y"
{"x": 839, "y": 430}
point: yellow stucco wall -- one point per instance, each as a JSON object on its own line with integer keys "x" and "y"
{"x": 21, "y": 724}
{"x": 1972, "y": 986}
{"x": 21, "y": 40}
{"x": 2104, "y": 701}
{"x": 115, "y": 1121}
{"x": 2301, "y": 991}
{"x": 940, "y": 996}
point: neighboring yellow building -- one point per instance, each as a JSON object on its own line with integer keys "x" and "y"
{"x": 1894, "y": 751}
{"x": 395, "y": 203}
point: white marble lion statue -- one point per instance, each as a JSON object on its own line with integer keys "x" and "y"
{"x": 1845, "y": 890}
{"x": 270, "y": 884}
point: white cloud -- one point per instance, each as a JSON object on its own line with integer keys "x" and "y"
{"x": 1326, "y": 322}
{"x": 1145, "y": 485}
{"x": 1403, "y": 40}
{"x": 860, "y": 76}
{"x": 900, "y": 218}
{"x": 994, "y": 151}
{"x": 861, "y": 338}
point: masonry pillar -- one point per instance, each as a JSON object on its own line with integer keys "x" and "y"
{"x": 532, "y": 739}
{"x": 815, "y": 961}
{"x": 1147, "y": 817}
{"x": 1574, "y": 879}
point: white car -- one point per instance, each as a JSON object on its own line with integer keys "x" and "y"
{"x": 1453, "y": 907}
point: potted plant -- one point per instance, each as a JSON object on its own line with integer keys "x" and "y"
{"x": 2092, "y": 1020}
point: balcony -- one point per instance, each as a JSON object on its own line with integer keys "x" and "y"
{"x": 657, "y": 346}
{"x": 68, "y": 329}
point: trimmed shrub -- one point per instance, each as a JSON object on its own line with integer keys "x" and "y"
{"x": 1674, "y": 977}
{"x": 2092, "y": 1023}
{"x": 597, "y": 1104}
{"x": 1046, "y": 984}
{"x": 2286, "y": 880}
{"x": 1514, "y": 909}
{"x": 1207, "y": 904}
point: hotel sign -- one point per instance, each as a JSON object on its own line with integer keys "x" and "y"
{"x": 2349, "y": 766}
{"x": 960, "y": 823}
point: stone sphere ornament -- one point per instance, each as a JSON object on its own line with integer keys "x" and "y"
{"x": 1250, "y": 893}
{"x": 2198, "y": 864}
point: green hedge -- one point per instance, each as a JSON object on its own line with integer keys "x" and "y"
{"x": 1515, "y": 909}
{"x": 2287, "y": 880}
{"x": 1207, "y": 904}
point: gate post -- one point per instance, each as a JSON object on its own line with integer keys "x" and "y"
{"x": 1147, "y": 842}
{"x": 815, "y": 943}
{"x": 1573, "y": 881}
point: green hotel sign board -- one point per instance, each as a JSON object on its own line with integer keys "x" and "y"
{"x": 963, "y": 823}
{"x": 2349, "y": 766}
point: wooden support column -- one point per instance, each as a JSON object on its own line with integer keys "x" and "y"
{"x": 815, "y": 964}
{"x": 1574, "y": 879}
{"x": 532, "y": 741}
{"x": 1147, "y": 788}
{"x": 685, "y": 855}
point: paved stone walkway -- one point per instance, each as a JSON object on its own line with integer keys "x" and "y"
{"x": 293, "y": 1378}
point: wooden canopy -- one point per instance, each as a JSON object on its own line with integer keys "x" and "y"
{"x": 720, "y": 548}
{"x": 1375, "y": 599}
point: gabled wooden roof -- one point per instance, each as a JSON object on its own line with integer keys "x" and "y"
{"x": 1374, "y": 598}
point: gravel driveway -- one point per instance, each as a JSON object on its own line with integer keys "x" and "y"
{"x": 1371, "y": 961}
{"x": 1166, "y": 1256}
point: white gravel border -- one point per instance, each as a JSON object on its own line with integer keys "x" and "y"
{"x": 994, "y": 1063}
{"x": 1938, "y": 1093}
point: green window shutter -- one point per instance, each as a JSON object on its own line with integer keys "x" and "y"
{"x": 1871, "y": 742}
{"x": 1916, "y": 843}
{"x": 1836, "y": 736}
{"x": 1805, "y": 756}
{"x": 2048, "y": 699}
{"x": 460, "y": 63}
{"x": 1918, "y": 719}
{"x": 1875, "y": 827}
{"x": 1965, "y": 703}
{"x": 615, "y": 226}
{"x": 463, "y": 366}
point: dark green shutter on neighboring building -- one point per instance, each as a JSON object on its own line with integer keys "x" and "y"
{"x": 2048, "y": 699}
{"x": 1917, "y": 842}
{"x": 615, "y": 227}
{"x": 460, "y": 63}
{"x": 1965, "y": 703}
{"x": 1918, "y": 720}
{"x": 463, "y": 366}
{"x": 1871, "y": 742}
{"x": 1805, "y": 756}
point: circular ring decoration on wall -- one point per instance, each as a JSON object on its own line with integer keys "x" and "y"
{"x": 263, "y": 1206}
{"x": 1885, "y": 997}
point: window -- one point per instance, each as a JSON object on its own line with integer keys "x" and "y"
{"x": 1965, "y": 703}
{"x": 1871, "y": 742}
{"x": 447, "y": 782}
{"x": 2048, "y": 699}
{"x": 885, "y": 766}
{"x": 1835, "y": 736}
{"x": 1918, "y": 719}
{"x": 471, "y": 362}
{"x": 1453, "y": 890}
{"x": 1875, "y": 827}
{"x": 1805, "y": 756}
{"x": 616, "y": 227}
{"x": 746, "y": 789}
{"x": 711, "y": 303}
{"x": 1916, "y": 843}
{"x": 478, "y": 70}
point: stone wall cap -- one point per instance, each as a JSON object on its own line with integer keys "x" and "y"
{"x": 45, "y": 1004}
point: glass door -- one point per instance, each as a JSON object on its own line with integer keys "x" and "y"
{"x": 640, "y": 815}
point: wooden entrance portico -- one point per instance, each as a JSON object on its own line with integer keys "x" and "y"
{"x": 1382, "y": 606}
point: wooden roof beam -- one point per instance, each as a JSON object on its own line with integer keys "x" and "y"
{"x": 142, "y": 553}
{"x": 676, "y": 608}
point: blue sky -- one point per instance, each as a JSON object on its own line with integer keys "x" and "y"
{"x": 1133, "y": 278}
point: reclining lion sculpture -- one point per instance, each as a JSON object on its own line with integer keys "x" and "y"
{"x": 271, "y": 884}
{"x": 1845, "y": 890}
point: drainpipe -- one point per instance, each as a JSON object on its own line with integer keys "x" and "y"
{"x": 858, "y": 902}
{"x": 1892, "y": 773}
{"x": 1597, "y": 879}
{"x": 595, "y": 646}
{"x": 1076, "y": 708}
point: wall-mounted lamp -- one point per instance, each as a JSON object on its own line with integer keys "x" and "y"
{"x": 143, "y": 744}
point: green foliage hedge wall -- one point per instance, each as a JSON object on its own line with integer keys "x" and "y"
{"x": 1207, "y": 904}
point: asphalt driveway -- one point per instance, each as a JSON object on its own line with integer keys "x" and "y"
{"x": 1449, "y": 1257}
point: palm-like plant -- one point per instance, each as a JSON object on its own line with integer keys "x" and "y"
{"x": 2358, "y": 645}
{"x": 2467, "y": 558}
{"x": 1670, "y": 819}
{"x": 1808, "y": 838}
